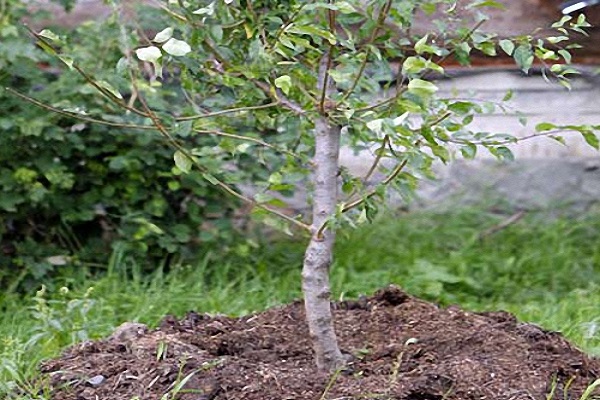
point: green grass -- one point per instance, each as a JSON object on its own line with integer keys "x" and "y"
{"x": 544, "y": 272}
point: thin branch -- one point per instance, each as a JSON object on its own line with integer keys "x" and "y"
{"x": 288, "y": 23}
{"x": 222, "y": 185}
{"x": 395, "y": 172}
{"x": 325, "y": 64}
{"x": 76, "y": 115}
{"x": 378, "y": 157}
{"x": 383, "y": 102}
{"x": 502, "y": 225}
{"x": 250, "y": 139}
{"x": 323, "y": 78}
{"x": 424, "y": 74}
{"x": 380, "y": 19}
{"x": 145, "y": 127}
{"x": 512, "y": 140}
{"x": 438, "y": 119}
{"x": 89, "y": 79}
{"x": 171, "y": 12}
{"x": 231, "y": 110}
{"x": 347, "y": 207}
{"x": 279, "y": 97}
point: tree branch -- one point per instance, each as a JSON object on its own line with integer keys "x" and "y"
{"x": 77, "y": 116}
{"x": 222, "y": 185}
{"x": 280, "y": 98}
{"x": 250, "y": 139}
{"x": 229, "y": 111}
{"x": 380, "y": 19}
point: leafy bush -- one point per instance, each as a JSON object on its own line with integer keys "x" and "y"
{"x": 72, "y": 191}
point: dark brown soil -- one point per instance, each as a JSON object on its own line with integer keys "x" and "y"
{"x": 402, "y": 348}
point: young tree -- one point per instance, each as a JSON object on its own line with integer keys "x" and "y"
{"x": 292, "y": 81}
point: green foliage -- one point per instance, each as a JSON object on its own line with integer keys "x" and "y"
{"x": 74, "y": 190}
{"x": 249, "y": 74}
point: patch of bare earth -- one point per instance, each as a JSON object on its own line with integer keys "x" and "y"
{"x": 403, "y": 348}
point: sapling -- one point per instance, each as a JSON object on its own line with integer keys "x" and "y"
{"x": 289, "y": 83}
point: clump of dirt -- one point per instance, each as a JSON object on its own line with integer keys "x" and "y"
{"x": 401, "y": 347}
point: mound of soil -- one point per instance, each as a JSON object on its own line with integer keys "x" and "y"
{"x": 401, "y": 347}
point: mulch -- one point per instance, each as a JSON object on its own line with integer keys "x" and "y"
{"x": 401, "y": 348}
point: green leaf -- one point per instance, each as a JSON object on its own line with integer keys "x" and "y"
{"x": 544, "y": 126}
{"x": 591, "y": 139}
{"x": 48, "y": 34}
{"x": 284, "y": 83}
{"x": 362, "y": 217}
{"x": 312, "y": 31}
{"x": 509, "y": 94}
{"x": 150, "y": 53}
{"x": 413, "y": 65}
{"x": 549, "y": 55}
{"x": 487, "y": 3}
{"x": 421, "y": 45}
{"x": 182, "y": 162}
{"x": 581, "y": 21}
{"x": 68, "y": 61}
{"x": 163, "y": 35}
{"x": 556, "y": 39}
{"x": 109, "y": 88}
{"x": 562, "y": 21}
{"x": 216, "y": 31}
{"x": 523, "y": 57}
{"x": 503, "y": 153}
{"x": 211, "y": 178}
{"x": 461, "y": 107}
{"x": 487, "y": 48}
{"x": 176, "y": 47}
{"x": 566, "y": 55}
{"x": 421, "y": 87}
{"x": 469, "y": 151}
{"x": 343, "y": 7}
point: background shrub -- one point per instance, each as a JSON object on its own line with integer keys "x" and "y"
{"x": 73, "y": 191}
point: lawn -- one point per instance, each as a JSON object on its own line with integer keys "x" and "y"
{"x": 544, "y": 271}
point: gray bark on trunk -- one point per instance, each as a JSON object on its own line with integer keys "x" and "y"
{"x": 318, "y": 256}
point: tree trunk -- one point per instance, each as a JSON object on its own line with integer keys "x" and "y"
{"x": 318, "y": 256}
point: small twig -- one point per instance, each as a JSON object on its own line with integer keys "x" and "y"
{"x": 250, "y": 139}
{"x": 512, "y": 140}
{"x": 325, "y": 65}
{"x": 378, "y": 157}
{"x": 323, "y": 78}
{"x": 396, "y": 171}
{"x": 76, "y": 115}
{"x": 229, "y": 111}
{"x": 424, "y": 74}
{"x": 222, "y": 185}
{"x": 288, "y": 23}
{"x": 349, "y": 206}
{"x": 502, "y": 225}
{"x": 380, "y": 19}
{"x": 279, "y": 97}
